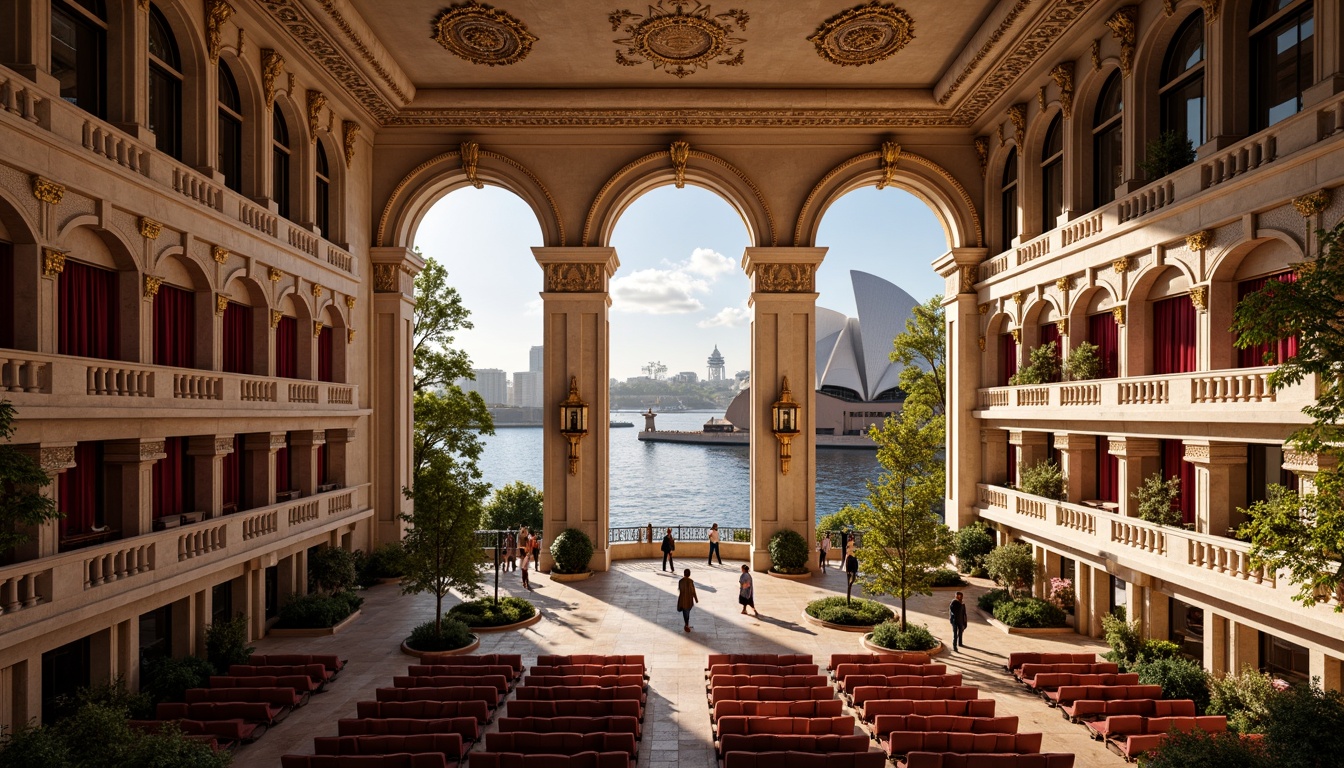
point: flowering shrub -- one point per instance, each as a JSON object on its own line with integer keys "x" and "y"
{"x": 1061, "y": 593}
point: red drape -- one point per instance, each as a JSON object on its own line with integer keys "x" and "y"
{"x": 1252, "y": 357}
{"x": 174, "y": 327}
{"x": 237, "y": 339}
{"x": 282, "y": 467}
{"x": 87, "y": 300}
{"x": 1007, "y": 358}
{"x": 1012, "y": 465}
{"x": 1103, "y": 331}
{"x": 287, "y": 348}
{"x": 1050, "y": 333}
{"x": 1108, "y": 473}
{"x": 1174, "y": 335}
{"x": 232, "y": 477}
{"x": 172, "y": 480}
{"x": 78, "y": 490}
{"x": 6, "y": 295}
{"x": 322, "y": 464}
{"x": 324, "y": 353}
{"x": 1174, "y": 465}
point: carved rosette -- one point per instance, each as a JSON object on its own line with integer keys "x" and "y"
{"x": 680, "y": 153}
{"x": 471, "y": 158}
{"x": 350, "y": 131}
{"x": 216, "y": 13}
{"x": 1062, "y": 74}
{"x": 221, "y": 303}
{"x": 272, "y": 64}
{"x": 1312, "y": 204}
{"x": 316, "y": 101}
{"x": 982, "y": 153}
{"x": 1017, "y": 115}
{"x": 864, "y": 34}
{"x": 53, "y": 262}
{"x": 48, "y": 191}
{"x": 679, "y": 41}
{"x": 481, "y": 34}
{"x": 152, "y": 286}
{"x": 219, "y": 254}
{"x": 1199, "y": 240}
{"x": 888, "y": 157}
{"x": 1124, "y": 26}
{"x": 574, "y": 278}
{"x": 785, "y": 278}
{"x": 275, "y": 318}
{"x": 149, "y": 228}
{"x": 1199, "y": 297}
{"x": 386, "y": 278}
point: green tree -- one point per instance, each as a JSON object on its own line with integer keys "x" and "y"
{"x": 441, "y": 550}
{"x": 1013, "y": 566}
{"x": 1157, "y": 499}
{"x": 513, "y": 505}
{"x": 22, "y": 505}
{"x": 845, "y": 518}
{"x": 922, "y": 349}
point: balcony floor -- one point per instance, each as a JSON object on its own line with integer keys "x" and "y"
{"x": 631, "y": 610}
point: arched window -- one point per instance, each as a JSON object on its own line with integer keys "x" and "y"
{"x": 1108, "y": 141}
{"x": 323, "y": 192}
{"x": 79, "y": 53}
{"x": 1182, "y": 91}
{"x": 1008, "y": 200}
{"x": 1052, "y": 175}
{"x": 1281, "y": 59}
{"x": 230, "y": 130}
{"x": 165, "y": 86}
{"x": 280, "y": 161}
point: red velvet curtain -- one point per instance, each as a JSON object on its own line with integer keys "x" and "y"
{"x": 172, "y": 480}
{"x": 1012, "y": 465}
{"x": 1103, "y": 331}
{"x": 282, "y": 467}
{"x": 232, "y": 477}
{"x": 237, "y": 339}
{"x": 78, "y": 491}
{"x": 6, "y": 295}
{"x": 324, "y": 353}
{"x": 1007, "y": 358}
{"x": 322, "y": 464}
{"x": 1174, "y": 465}
{"x": 1174, "y": 335}
{"x": 87, "y": 308}
{"x": 1050, "y": 332}
{"x": 287, "y": 348}
{"x": 1252, "y": 357}
{"x": 174, "y": 327}
{"x": 1108, "y": 473}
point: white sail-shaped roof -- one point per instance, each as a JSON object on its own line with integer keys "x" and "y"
{"x": 883, "y": 309}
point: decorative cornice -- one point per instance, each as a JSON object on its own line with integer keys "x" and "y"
{"x": 480, "y": 34}
{"x": 1062, "y": 74}
{"x": 1017, "y": 115}
{"x": 1199, "y": 240}
{"x": 1199, "y": 297}
{"x": 274, "y": 275}
{"x": 216, "y": 13}
{"x": 1313, "y": 203}
{"x": 1119, "y": 314}
{"x": 1008, "y": 20}
{"x": 149, "y": 228}
{"x": 350, "y": 132}
{"x": 48, "y": 191}
{"x": 316, "y": 101}
{"x": 982, "y": 153}
{"x": 679, "y": 152}
{"x": 275, "y": 318}
{"x": 219, "y": 253}
{"x": 785, "y": 278}
{"x": 864, "y": 34}
{"x": 152, "y": 284}
{"x": 1124, "y": 26}
{"x": 889, "y": 156}
{"x": 574, "y": 278}
{"x": 679, "y": 42}
{"x": 272, "y": 64}
{"x": 53, "y": 262}
{"x": 221, "y": 303}
{"x": 471, "y": 158}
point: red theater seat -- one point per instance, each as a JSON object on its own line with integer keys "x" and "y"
{"x": 1095, "y": 710}
{"x": 450, "y": 745}
{"x": 903, "y": 742}
{"x": 575, "y": 708}
{"x": 1152, "y": 730}
{"x": 332, "y": 662}
{"x": 225, "y": 733}
{"x": 276, "y": 697}
{"x": 767, "y": 681}
{"x": 424, "y": 710}
{"x": 870, "y": 710}
{"x": 1016, "y": 660}
{"x": 922, "y": 670}
{"x": 1046, "y": 682}
{"x": 434, "y": 670}
{"x": 552, "y": 660}
{"x": 486, "y": 693}
{"x": 300, "y": 683}
{"x": 873, "y": 759}
{"x": 561, "y": 743}
{"x": 581, "y": 692}
{"x": 763, "y": 669}
{"x": 811, "y": 726}
{"x": 251, "y": 712}
{"x": 318, "y": 673}
{"x": 604, "y": 681}
{"x": 831, "y": 707}
{"x": 1027, "y": 672}
{"x": 590, "y": 669}
{"x": 884, "y": 724}
{"x": 570, "y": 724}
{"x": 792, "y": 742}
{"x": 1067, "y": 694}
{"x": 579, "y": 760}
{"x": 854, "y": 682}
{"x": 956, "y": 760}
{"x": 512, "y": 660}
{"x": 426, "y": 760}
{"x": 465, "y": 727}
{"x": 866, "y": 693}
{"x": 765, "y": 693}
{"x": 499, "y": 682}
{"x": 894, "y": 657}
{"x": 774, "y": 659}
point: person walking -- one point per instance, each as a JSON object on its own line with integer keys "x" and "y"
{"x": 823, "y": 551}
{"x": 851, "y": 569}
{"x": 686, "y": 598}
{"x": 746, "y": 591}
{"x": 844, "y": 544}
{"x": 536, "y": 551}
{"x": 525, "y": 550}
{"x": 510, "y": 552}
{"x": 669, "y": 546}
{"x": 956, "y": 613}
{"x": 714, "y": 544}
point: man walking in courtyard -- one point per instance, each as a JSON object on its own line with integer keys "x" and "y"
{"x": 714, "y": 544}
{"x": 669, "y": 546}
{"x": 956, "y": 613}
{"x": 746, "y": 592}
{"x": 686, "y": 598}
{"x": 823, "y": 551}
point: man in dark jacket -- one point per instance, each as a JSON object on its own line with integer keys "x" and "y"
{"x": 956, "y": 613}
{"x": 669, "y": 545}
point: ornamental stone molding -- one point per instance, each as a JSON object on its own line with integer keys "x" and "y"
{"x": 982, "y": 153}
{"x": 317, "y": 291}
{"x": 317, "y": 328}
{"x": 1120, "y": 265}
{"x": 1019, "y": 297}
{"x": 1208, "y": 453}
{"x": 966, "y": 277}
{"x": 149, "y": 228}
{"x": 1199, "y": 297}
{"x": 316, "y": 101}
{"x": 216, "y": 13}
{"x": 386, "y": 278}
{"x": 864, "y": 34}
{"x": 1312, "y": 204}
{"x": 1199, "y": 240}
{"x": 350, "y": 133}
{"x": 481, "y": 34}
{"x": 785, "y": 278}
{"x": 219, "y": 253}
{"x": 1124, "y": 26}
{"x": 1301, "y": 462}
{"x": 1134, "y": 447}
{"x": 350, "y": 336}
{"x": 1062, "y": 284}
{"x": 574, "y": 278}
{"x": 272, "y": 64}
{"x": 678, "y": 41}
{"x": 53, "y": 262}
{"x": 153, "y": 450}
{"x": 223, "y": 446}
{"x": 152, "y": 285}
{"x": 221, "y": 303}
{"x": 983, "y": 309}
{"x": 1063, "y": 325}
{"x": 1016, "y": 333}
{"x": 471, "y": 158}
{"x": 679, "y": 152}
{"x": 1212, "y": 8}
{"x": 53, "y": 459}
{"x": 1017, "y": 115}
{"x": 48, "y": 191}
{"x": 278, "y": 440}
{"x": 888, "y": 157}
{"x": 1062, "y": 74}
{"x": 349, "y": 302}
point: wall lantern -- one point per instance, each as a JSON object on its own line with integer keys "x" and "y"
{"x": 573, "y": 422}
{"x": 786, "y": 417}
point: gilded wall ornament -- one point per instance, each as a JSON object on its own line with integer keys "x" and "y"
{"x": 53, "y": 262}
{"x": 471, "y": 158}
{"x": 1063, "y": 325}
{"x": 1062, "y": 74}
{"x": 982, "y": 153}
{"x": 316, "y": 101}
{"x": 1199, "y": 240}
{"x": 864, "y": 34}
{"x": 1016, "y": 333}
{"x": 1120, "y": 265}
{"x": 349, "y": 302}
{"x": 1040, "y": 98}
{"x": 1211, "y": 10}
{"x": 219, "y": 254}
{"x": 274, "y": 275}
{"x": 275, "y": 318}
{"x": 1062, "y": 285}
{"x": 574, "y": 278}
{"x": 221, "y": 303}
{"x": 1199, "y": 297}
{"x": 981, "y": 342}
{"x": 152, "y": 286}
{"x": 317, "y": 328}
{"x": 350, "y": 132}
{"x": 216, "y": 13}
{"x": 1312, "y": 204}
{"x": 678, "y": 41}
{"x": 1169, "y": 7}
{"x": 386, "y": 278}
{"x": 680, "y": 153}
{"x": 317, "y": 291}
{"x": 149, "y": 228}
{"x": 350, "y": 336}
{"x": 272, "y": 64}
{"x": 983, "y": 309}
{"x": 57, "y": 459}
{"x": 785, "y": 278}
{"x": 888, "y": 157}
{"x": 1096, "y": 55}
{"x": 481, "y": 34}
{"x": 48, "y": 191}
{"x": 1124, "y": 26}
{"x": 1119, "y": 314}
{"x": 968, "y": 273}
{"x": 1018, "y": 298}
{"x": 1017, "y": 115}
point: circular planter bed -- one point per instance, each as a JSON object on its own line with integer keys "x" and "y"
{"x": 865, "y": 644}
{"x": 482, "y": 615}
{"x": 468, "y": 648}
{"x": 791, "y": 576}
{"x": 999, "y": 625}
{"x": 314, "y": 632}
{"x": 842, "y": 627}
{"x": 565, "y": 578}
{"x": 858, "y": 615}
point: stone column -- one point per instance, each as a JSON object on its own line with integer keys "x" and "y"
{"x": 1326, "y": 667}
{"x": 1216, "y": 643}
{"x": 130, "y": 483}
{"x": 44, "y": 539}
{"x": 183, "y": 629}
{"x": 203, "y": 611}
{"x": 303, "y": 447}
{"x": 1078, "y": 455}
{"x": 258, "y": 462}
{"x": 959, "y": 269}
{"x": 1305, "y": 466}
{"x": 1243, "y": 645}
{"x": 394, "y": 270}
{"x": 576, "y": 336}
{"x": 783, "y": 346}
{"x": 1329, "y": 58}
{"x": 338, "y": 447}
{"x": 1032, "y": 449}
{"x": 1220, "y": 484}
{"x": 1082, "y": 599}
{"x": 1139, "y": 458}
{"x": 994, "y": 448}
{"x": 1101, "y": 599}
{"x": 1156, "y": 611}
{"x": 207, "y": 454}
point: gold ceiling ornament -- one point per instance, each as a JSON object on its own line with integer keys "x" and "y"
{"x": 785, "y": 278}
{"x": 864, "y": 34}
{"x": 317, "y": 291}
{"x": 1063, "y": 325}
{"x": 48, "y": 191}
{"x": 349, "y": 302}
{"x": 272, "y": 64}
{"x": 350, "y": 336}
{"x": 1124, "y": 26}
{"x": 350, "y": 131}
{"x": 1312, "y": 204}
{"x": 219, "y": 253}
{"x": 482, "y": 34}
{"x": 889, "y": 157}
{"x": 316, "y": 101}
{"x": 1211, "y": 10}
{"x": 221, "y": 303}
{"x": 679, "y": 152}
{"x": 216, "y": 13}
{"x": 317, "y": 329}
{"x": 1120, "y": 265}
{"x": 679, "y": 41}
{"x": 149, "y": 228}
{"x": 982, "y": 343}
{"x": 573, "y": 278}
{"x": 275, "y": 318}
{"x": 1119, "y": 314}
{"x": 471, "y": 158}
{"x": 982, "y": 153}
{"x": 1062, "y": 74}
{"x": 152, "y": 285}
{"x": 968, "y": 273}
{"x": 1199, "y": 240}
{"x": 1199, "y": 296}
{"x": 1096, "y": 55}
{"x": 1016, "y": 333}
{"x": 53, "y": 262}
{"x": 1017, "y": 115}
{"x": 1062, "y": 285}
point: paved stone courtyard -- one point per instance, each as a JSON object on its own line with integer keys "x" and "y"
{"x": 631, "y": 610}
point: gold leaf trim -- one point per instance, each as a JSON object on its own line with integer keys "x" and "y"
{"x": 216, "y": 13}
{"x": 1062, "y": 74}
{"x": 481, "y": 34}
{"x": 275, "y": 318}
{"x": 274, "y": 275}
{"x": 219, "y": 253}
{"x": 679, "y": 152}
{"x": 1312, "y": 204}
{"x": 864, "y": 34}
{"x": 889, "y": 157}
{"x": 1124, "y": 26}
{"x": 272, "y": 64}
{"x": 53, "y": 262}
{"x": 316, "y": 101}
{"x": 221, "y": 303}
{"x": 152, "y": 285}
{"x": 471, "y": 158}
{"x": 149, "y": 228}
{"x": 1199, "y": 240}
{"x": 350, "y": 132}
{"x": 48, "y": 191}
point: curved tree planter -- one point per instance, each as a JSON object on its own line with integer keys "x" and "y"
{"x": 841, "y": 627}
{"x": 314, "y": 632}
{"x": 564, "y": 578}
{"x": 791, "y": 576}
{"x": 468, "y": 648}
{"x": 507, "y": 627}
{"x": 1004, "y": 628}
{"x": 867, "y": 645}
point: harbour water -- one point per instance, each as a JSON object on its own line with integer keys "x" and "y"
{"x": 675, "y": 484}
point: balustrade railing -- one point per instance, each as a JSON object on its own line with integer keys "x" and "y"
{"x": 19, "y": 375}
{"x": 195, "y": 188}
{"x": 646, "y": 534}
{"x": 116, "y": 146}
{"x": 25, "y": 589}
{"x": 198, "y": 386}
{"x": 19, "y": 98}
{"x": 1240, "y": 159}
{"x": 118, "y": 381}
{"x": 1080, "y": 394}
{"x": 1081, "y": 229}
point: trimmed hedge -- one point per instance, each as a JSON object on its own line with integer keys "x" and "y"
{"x": 946, "y": 577}
{"x": 990, "y": 599}
{"x": 483, "y": 612}
{"x": 916, "y": 637}
{"x": 1179, "y": 678}
{"x": 318, "y": 611}
{"x": 859, "y": 613}
{"x": 788, "y": 552}
{"x": 1030, "y": 613}
{"x": 453, "y": 634}
{"x": 572, "y": 550}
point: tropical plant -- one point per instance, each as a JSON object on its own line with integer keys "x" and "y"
{"x": 23, "y": 507}
{"x": 1030, "y": 613}
{"x": 1166, "y": 154}
{"x": 1012, "y": 566}
{"x": 514, "y": 505}
{"x": 1042, "y": 368}
{"x": 332, "y": 569}
{"x": 1157, "y": 498}
{"x": 1084, "y": 362}
{"x": 856, "y": 613}
{"x": 226, "y": 643}
{"x": 483, "y": 612}
{"x": 1042, "y": 479}
{"x": 973, "y": 542}
{"x": 892, "y": 635}
{"x": 1180, "y": 679}
{"x": 788, "y": 551}
{"x": 446, "y": 634}
{"x": 572, "y": 550}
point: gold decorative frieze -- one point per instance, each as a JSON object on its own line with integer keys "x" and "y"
{"x": 1199, "y": 240}
{"x": 219, "y": 253}
{"x": 574, "y": 278}
{"x": 48, "y": 191}
{"x": 1124, "y": 26}
{"x": 679, "y": 152}
{"x": 968, "y": 273}
{"x": 274, "y": 275}
{"x": 1096, "y": 55}
{"x": 1062, "y": 74}
{"x": 1120, "y": 265}
{"x": 981, "y": 342}
{"x": 350, "y": 133}
{"x": 1312, "y": 204}
{"x": 1017, "y": 115}
{"x": 317, "y": 291}
{"x": 888, "y": 157}
{"x": 317, "y": 328}
{"x": 1199, "y": 297}
{"x": 149, "y": 228}
{"x": 350, "y": 336}
{"x": 221, "y": 303}
{"x": 152, "y": 284}
{"x": 785, "y": 278}
{"x": 1119, "y": 314}
{"x": 216, "y": 13}
{"x": 53, "y": 262}
{"x": 471, "y": 158}
{"x": 481, "y": 34}
{"x": 349, "y": 302}
{"x": 272, "y": 64}
{"x": 1016, "y": 333}
{"x": 982, "y": 153}
{"x": 864, "y": 34}
{"x": 1062, "y": 325}
{"x": 386, "y": 278}
{"x": 316, "y": 101}
{"x": 679, "y": 41}
{"x": 275, "y": 318}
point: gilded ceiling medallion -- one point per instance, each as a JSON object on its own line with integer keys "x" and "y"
{"x": 482, "y": 34}
{"x": 678, "y": 41}
{"x": 864, "y": 34}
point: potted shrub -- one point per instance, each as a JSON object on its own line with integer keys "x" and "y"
{"x": 447, "y": 634}
{"x": 1042, "y": 368}
{"x": 1043, "y": 479}
{"x": 972, "y": 544}
{"x": 788, "y": 553}
{"x": 915, "y": 637}
{"x": 1157, "y": 499}
{"x": 1084, "y": 362}
{"x": 571, "y": 551}
{"x": 856, "y": 615}
{"x": 1166, "y": 154}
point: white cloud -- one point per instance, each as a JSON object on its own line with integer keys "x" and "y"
{"x": 708, "y": 262}
{"x": 728, "y": 317}
{"x": 670, "y": 291}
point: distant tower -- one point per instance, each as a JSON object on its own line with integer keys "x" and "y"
{"x": 716, "y": 368}
{"x": 535, "y": 357}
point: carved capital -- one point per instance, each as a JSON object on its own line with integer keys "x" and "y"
{"x": 1312, "y": 204}
{"x": 48, "y": 191}
{"x": 679, "y": 152}
{"x": 471, "y": 158}
{"x": 1063, "y": 325}
{"x": 275, "y": 318}
{"x": 153, "y": 450}
{"x": 1120, "y": 265}
{"x": 274, "y": 275}
{"x": 219, "y": 253}
{"x": 349, "y": 302}
{"x": 1302, "y": 463}
{"x": 785, "y": 278}
{"x": 278, "y": 440}
{"x": 1199, "y": 297}
{"x": 149, "y": 228}
{"x": 1199, "y": 240}
{"x": 1019, "y": 297}
{"x": 1124, "y": 26}
{"x": 53, "y": 262}
{"x": 216, "y": 13}
{"x": 573, "y": 278}
{"x": 152, "y": 284}
{"x": 317, "y": 328}
{"x": 272, "y": 64}
{"x": 350, "y": 133}
{"x": 386, "y": 278}
{"x": 1212, "y": 8}
{"x": 221, "y": 303}
{"x": 889, "y": 156}
{"x": 968, "y": 273}
{"x": 1119, "y": 314}
{"x": 1017, "y": 115}
{"x": 1062, "y": 74}
{"x": 982, "y": 153}
{"x": 316, "y": 101}
{"x": 53, "y": 459}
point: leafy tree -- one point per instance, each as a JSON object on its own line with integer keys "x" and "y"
{"x": 655, "y": 369}
{"x": 226, "y": 643}
{"x": 1157, "y": 497}
{"x": 22, "y": 505}
{"x": 1013, "y": 566}
{"x": 1305, "y": 727}
{"x": 513, "y": 505}
{"x": 441, "y": 550}
{"x": 439, "y": 314}
{"x": 1166, "y": 154}
{"x": 332, "y": 569}
{"x": 972, "y": 544}
{"x": 922, "y": 349}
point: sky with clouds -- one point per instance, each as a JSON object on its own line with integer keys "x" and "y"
{"x": 680, "y": 289}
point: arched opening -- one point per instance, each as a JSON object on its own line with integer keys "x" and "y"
{"x": 231, "y": 114}
{"x": 181, "y": 320}
{"x": 1108, "y": 141}
{"x": 79, "y": 53}
{"x": 244, "y": 335}
{"x": 165, "y": 85}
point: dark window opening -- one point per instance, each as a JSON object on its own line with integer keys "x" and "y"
{"x": 65, "y": 670}
{"x": 1282, "y": 49}
{"x": 1284, "y": 659}
{"x": 1182, "y": 90}
{"x": 221, "y": 602}
{"x": 79, "y": 54}
{"x": 156, "y": 634}
{"x": 230, "y": 130}
{"x": 1108, "y": 141}
{"x": 1052, "y": 175}
{"x": 280, "y": 155}
{"x": 165, "y": 86}
{"x": 1008, "y": 201}
{"x": 272, "y": 591}
{"x": 323, "y": 198}
{"x": 1187, "y": 629}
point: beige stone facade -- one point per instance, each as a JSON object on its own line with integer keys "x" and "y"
{"x": 307, "y": 221}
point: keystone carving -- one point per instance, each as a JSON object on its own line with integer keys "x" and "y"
{"x": 471, "y": 157}
{"x": 890, "y": 155}
{"x": 680, "y": 153}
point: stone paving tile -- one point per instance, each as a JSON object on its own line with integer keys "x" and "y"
{"x": 631, "y": 610}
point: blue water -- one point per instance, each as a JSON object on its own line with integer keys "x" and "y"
{"x": 676, "y": 484}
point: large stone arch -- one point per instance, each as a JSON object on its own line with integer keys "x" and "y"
{"x": 702, "y": 170}
{"x": 918, "y": 175}
{"x": 436, "y": 177}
